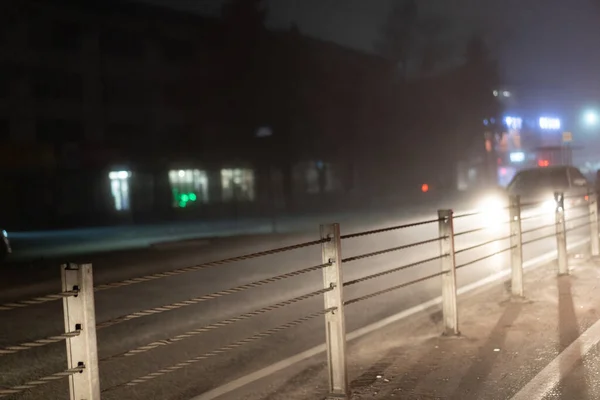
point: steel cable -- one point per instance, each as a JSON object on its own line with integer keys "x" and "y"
{"x": 392, "y": 228}
{"x": 482, "y": 244}
{"x": 391, "y": 271}
{"x": 210, "y": 264}
{"x": 222, "y": 350}
{"x": 403, "y": 247}
{"x": 530, "y": 217}
{"x": 578, "y": 226}
{"x": 466, "y": 215}
{"x": 38, "y": 343}
{"x": 41, "y": 381}
{"x": 207, "y": 297}
{"x": 216, "y": 325}
{"x": 577, "y": 217}
{"x": 538, "y": 239}
{"x": 539, "y": 228}
{"x": 368, "y": 296}
{"x": 159, "y": 275}
{"x": 484, "y": 257}
{"x": 471, "y": 231}
{"x": 37, "y": 300}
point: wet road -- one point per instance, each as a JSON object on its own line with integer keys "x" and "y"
{"x": 45, "y": 320}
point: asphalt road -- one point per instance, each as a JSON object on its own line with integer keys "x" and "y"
{"x": 45, "y": 320}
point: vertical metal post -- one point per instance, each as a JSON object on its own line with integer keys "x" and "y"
{"x": 79, "y": 312}
{"x": 516, "y": 245}
{"x": 449, "y": 305}
{"x": 335, "y": 325}
{"x": 594, "y": 232}
{"x": 561, "y": 234}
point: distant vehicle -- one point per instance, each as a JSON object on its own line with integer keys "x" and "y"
{"x": 5, "y": 248}
{"x": 539, "y": 185}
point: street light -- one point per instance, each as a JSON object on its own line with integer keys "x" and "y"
{"x": 590, "y": 118}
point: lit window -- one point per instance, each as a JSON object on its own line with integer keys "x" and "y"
{"x": 237, "y": 184}
{"x": 119, "y": 188}
{"x": 189, "y": 187}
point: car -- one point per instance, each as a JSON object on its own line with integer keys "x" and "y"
{"x": 538, "y": 186}
{"x": 5, "y": 248}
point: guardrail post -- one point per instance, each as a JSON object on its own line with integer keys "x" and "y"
{"x": 594, "y": 232}
{"x": 561, "y": 234}
{"x": 79, "y": 313}
{"x": 516, "y": 245}
{"x": 449, "y": 305}
{"x": 335, "y": 325}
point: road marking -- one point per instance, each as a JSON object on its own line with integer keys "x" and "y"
{"x": 550, "y": 376}
{"x": 280, "y": 365}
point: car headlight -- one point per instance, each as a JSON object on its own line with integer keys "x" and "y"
{"x": 490, "y": 205}
{"x": 549, "y": 205}
{"x": 4, "y": 233}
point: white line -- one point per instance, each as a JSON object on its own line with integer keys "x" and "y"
{"x": 278, "y": 366}
{"x": 558, "y": 368}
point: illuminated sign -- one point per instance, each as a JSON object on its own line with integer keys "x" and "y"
{"x": 513, "y": 122}
{"x": 517, "y": 157}
{"x": 548, "y": 123}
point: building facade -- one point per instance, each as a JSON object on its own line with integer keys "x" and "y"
{"x": 121, "y": 113}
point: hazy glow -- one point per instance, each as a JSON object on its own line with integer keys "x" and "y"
{"x": 119, "y": 174}
{"x": 119, "y": 188}
{"x": 550, "y": 123}
{"x": 514, "y": 122}
{"x": 590, "y": 117}
{"x": 517, "y": 156}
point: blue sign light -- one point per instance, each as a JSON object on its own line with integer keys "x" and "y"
{"x": 513, "y": 122}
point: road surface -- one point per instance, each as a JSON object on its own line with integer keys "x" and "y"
{"x": 45, "y": 320}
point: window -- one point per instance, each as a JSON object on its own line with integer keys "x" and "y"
{"x": 119, "y": 188}
{"x": 189, "y": 187}
{"x": 542, "y": 178}
{"x": 577, "y": 178}
{"x": 237, "y": 184}
{"x": 50, "y": 84}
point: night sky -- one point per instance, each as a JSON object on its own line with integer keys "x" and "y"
{"x": 545, "y": 46}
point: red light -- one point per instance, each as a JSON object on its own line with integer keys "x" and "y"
{"x": 587, "y": 198}
{"x": 543, "y": 163}
{"x": 425, "y": 188}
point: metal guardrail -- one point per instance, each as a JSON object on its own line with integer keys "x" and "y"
{"x": 78, "y": 295}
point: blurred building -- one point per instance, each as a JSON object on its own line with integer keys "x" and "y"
{"x": 118, "y": 112}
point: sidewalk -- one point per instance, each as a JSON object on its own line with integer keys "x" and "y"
{"x": 522, "y": 350}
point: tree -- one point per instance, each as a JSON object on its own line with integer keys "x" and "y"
{"x": 244, "y": 16}
{"x": 398, "y": 34}
{"x": 411, "y": 38}
{"x": 477, "y": 79}
{"x": 481, "y": 76}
